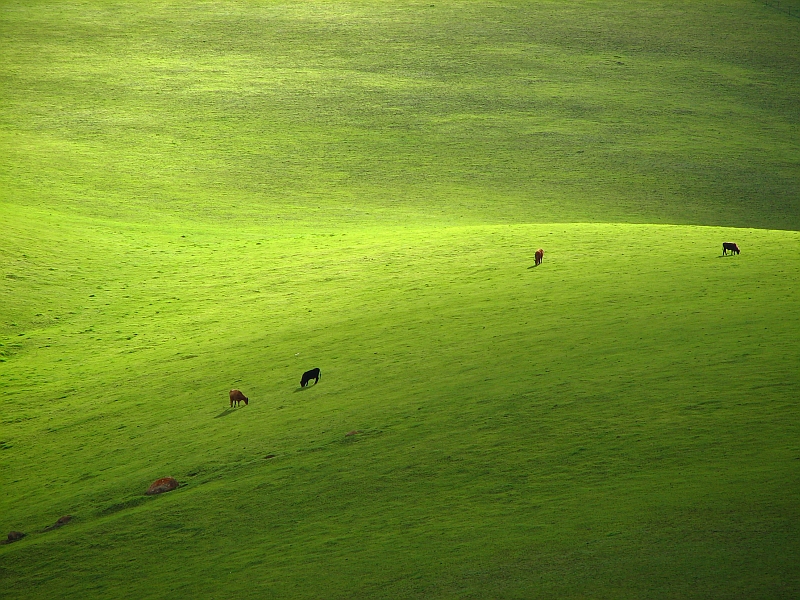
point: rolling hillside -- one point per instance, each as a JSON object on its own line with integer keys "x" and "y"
{"x": 216, "y": 195}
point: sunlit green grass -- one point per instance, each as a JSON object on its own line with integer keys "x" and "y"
{"x": 216, "y": 195}
{"x": 670, "y": 112}
{"x": 625, "y": 410}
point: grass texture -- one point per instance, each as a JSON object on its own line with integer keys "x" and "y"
{"x": 650, "y": 112}
{"x": 216, "y": 195}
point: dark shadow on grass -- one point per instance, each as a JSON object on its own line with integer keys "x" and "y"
{"x": 225, "y": 413}
{"x": 533, "y": 266}
{"x": 302, "y": 389}
{"x": 132, "y": 503}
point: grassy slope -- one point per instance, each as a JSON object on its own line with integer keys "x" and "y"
{"x": 609, "y": 423}
{"x": 619, "y": 422}
{"x": 678, "y": 112}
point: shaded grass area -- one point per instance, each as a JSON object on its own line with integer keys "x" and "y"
{"x": 620, "y": 421}
{"x": 384, "y": 112}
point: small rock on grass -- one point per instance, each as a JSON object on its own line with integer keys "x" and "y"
{"x": 159, "y": 486}
{"x": 13, "y": 536}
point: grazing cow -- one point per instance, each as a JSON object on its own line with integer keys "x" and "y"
{"x": 308, "y": 376}
{"x": 539, "y": 256}
{"x": 237, "y": 396}
{"x": 729, "y": 246}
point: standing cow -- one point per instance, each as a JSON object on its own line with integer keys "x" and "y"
{"x": 308, "y": 376}
{"x": 729, "y": 246}
{"x": 237, "y": 396}
{"x": 539, "y": 256}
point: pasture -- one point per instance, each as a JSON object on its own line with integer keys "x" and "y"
{"x": 211, "y": 196}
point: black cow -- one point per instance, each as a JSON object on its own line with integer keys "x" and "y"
{"x": 729, "y": 246}
{"x": 308, "y": 376}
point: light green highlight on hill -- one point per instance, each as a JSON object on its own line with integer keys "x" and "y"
{"x": 625, "y": 408}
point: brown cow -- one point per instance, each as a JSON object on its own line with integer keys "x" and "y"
{"x": 237, "y": 396}
{"x": 539, "y": 256}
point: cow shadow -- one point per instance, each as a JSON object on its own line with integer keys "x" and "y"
{"x": 533, "y": 266}
{"x": 225, "y": 412}
{"x": 302, "y": 389}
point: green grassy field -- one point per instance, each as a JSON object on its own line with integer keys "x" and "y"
{"x": 217, "y": 195}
